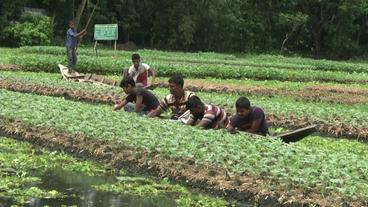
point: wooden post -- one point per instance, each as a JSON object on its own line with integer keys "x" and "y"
{"x": 115, "y": 49}
{"x": 95, "y": 48}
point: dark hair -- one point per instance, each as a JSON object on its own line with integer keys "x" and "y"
{"x": 193, "y": 102}
{"x": 127, "y": 81}
{"x": 243, "y": 103}
{"x": 177, "y": 80}
{"x": 71, "y": 21}
{"x": 136, "y": 56}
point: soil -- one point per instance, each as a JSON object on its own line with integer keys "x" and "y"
{"x": 309, "y": 94}
{"x": 331, "y": 89}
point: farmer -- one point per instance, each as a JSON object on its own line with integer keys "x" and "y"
{"x": 248, "y": 119}
{"x": 176, "y": 100}
{"x": 71, "y": 35}
{"x": 144, "y": 100}
{"x": 205, "y": 115}
{"x": 140, "y": 71}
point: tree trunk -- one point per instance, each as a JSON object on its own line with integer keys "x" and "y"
{"x": 362, "y": 29}
{"x": 317, "y": 41}
{"x": 53, "y": 18}
{"x": 284, "y": 42}
{"x": 287, "y": 36}
{"x": 80, "y": 10}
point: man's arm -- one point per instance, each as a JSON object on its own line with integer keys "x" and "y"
{"x": 138, "y": 103}
{"x": 190, "y": 122}
{"x": 153, "y": 71}
{"x": 81, "y": 33}
{"x": 231, "y": 129}
{"x": 155, "y": 112}
{"x": 256, "y": 124}
{"x": 119, "y": 105}
{"x": 203, "y": 124}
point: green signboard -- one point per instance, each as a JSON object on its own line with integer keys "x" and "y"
{"x": 106, "y": 31}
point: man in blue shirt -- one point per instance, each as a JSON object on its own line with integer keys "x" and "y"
{"x": 71, "y": 36}
{"x": 248, "y": 118}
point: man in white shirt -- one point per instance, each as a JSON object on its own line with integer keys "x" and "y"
{"x": 140, "y": 71}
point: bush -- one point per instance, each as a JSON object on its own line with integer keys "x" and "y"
{"x": 32, "y": 30}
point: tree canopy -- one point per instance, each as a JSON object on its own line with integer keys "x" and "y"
{"x": 328, "y": 28}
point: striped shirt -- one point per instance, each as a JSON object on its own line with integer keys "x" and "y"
{"x": 177, "y": 106}
{"x": 214, "y": 115}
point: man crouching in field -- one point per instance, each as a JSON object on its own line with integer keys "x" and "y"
{"x": 176, "y": 100}
{"x": 205, "y": 115}
{"x": 248, "y": 119}
{"x": 144, "y": 100}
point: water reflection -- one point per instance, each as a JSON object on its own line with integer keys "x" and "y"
{"x": 78, "y": 191}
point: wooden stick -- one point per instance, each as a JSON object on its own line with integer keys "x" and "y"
{"x": 89, "y": 19}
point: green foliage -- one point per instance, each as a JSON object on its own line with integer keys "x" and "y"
{"x": 334, "y": 29}
{"x": 285, "y": 165}
{"x": 22, "y": 166}
{"x": 32, "y": 30}
{"x": 328, "y": 115}
{"x": 10, "y": 11}
{"x": 262, "y": 67}
{"x": 144, "y": 187}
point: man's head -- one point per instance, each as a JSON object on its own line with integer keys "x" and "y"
{"x": 136, "y": 59}
{"x": 128, "y": 85}
{"x": 242, "y": 107}
{"x": 176, "y": 84}
{"x": 71, "y": 23}
{"x": 196, "y": 106}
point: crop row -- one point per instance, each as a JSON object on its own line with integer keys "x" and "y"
{"x": 306, "y": 92}
{"x": 273, "y": 61}
{"x": 318, "y": 169}
{"x": 332, "y": 119}
{"x": 108, "y": 65}
{"x": 301, "y": 93}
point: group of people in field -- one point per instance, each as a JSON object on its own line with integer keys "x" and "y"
{"x": 185, "y": 106}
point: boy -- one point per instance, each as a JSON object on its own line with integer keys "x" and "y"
{"x": 205, "y": 115}
{"x": 70, "y": 44}
{"x": 139, "y": 71}
{"x": 144, "y": 100}
{"x": 248, "y": 119}
{"x": 176, "y": 100}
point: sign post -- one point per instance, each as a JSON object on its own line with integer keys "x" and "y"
{"x": 105, "y": 32}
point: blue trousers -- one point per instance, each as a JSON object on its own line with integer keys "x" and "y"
{"x": 129, "y": 107}
{"x": 72, "y": 58}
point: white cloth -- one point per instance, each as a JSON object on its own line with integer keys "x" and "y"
{"x": 142, "y": 68}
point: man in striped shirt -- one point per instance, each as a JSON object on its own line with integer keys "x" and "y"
{"x": 205, "y": 115}
{"x": 176, "y": 100}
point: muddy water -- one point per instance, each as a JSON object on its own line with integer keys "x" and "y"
{"x": 78, "y": 191}
{"x": 19, "y": 161}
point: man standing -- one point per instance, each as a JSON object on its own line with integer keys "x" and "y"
{"x": 144, "y": 100}
{"x": 176, "y": 100}
{"x": 205, "y": 115}
{"x": 248, "y": 119}
{"x": 71, "y": 35}
{"x": 140, "y": 71}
